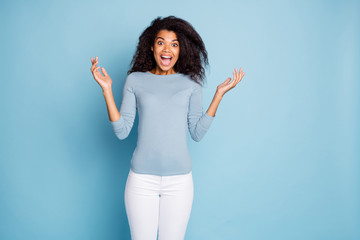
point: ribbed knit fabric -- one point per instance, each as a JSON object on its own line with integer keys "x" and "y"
{"x": 167, "y": 105}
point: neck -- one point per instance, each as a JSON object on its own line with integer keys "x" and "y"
{"x": 159, "y": 71}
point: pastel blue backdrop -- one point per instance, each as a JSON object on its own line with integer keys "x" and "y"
{"x": 280, "y": 161}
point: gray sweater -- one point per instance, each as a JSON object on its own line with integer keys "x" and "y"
{"x": 167, "y": 105}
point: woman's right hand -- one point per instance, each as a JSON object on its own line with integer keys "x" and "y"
{"x": 105, "y": 81}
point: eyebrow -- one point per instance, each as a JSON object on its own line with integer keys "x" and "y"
{"x": 164, "y": 39}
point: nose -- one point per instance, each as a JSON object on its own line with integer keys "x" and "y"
{"x": 166, "y": 48}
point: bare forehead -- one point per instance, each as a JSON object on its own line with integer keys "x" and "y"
{"x": 166, "y": 35}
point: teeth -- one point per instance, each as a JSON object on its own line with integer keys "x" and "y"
{"x": 166, "y": 56}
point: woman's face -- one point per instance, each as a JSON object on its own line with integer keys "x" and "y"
{"x": 166, "y": 52}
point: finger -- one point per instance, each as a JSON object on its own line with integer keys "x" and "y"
{"x": 95, "y": 63}
{"x": 93, "y": 60}
{"x": 242, "y": 76}
{"x": 96, "y": 69}
{"x": 227, "y": 81}
{"x": 237, "y": 75}
{"x": 104, "y": 72}
{"x": 234, "y": 77}
{"x": 93, "y": 67}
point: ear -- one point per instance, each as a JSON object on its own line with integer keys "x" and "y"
{"x": 152, "y": 48}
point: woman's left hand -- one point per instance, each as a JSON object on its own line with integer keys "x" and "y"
{"x": 226, "y": 86}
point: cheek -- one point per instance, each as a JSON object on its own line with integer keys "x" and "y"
{"x": 156, "y": 54}
{"x": 177, "y": 53}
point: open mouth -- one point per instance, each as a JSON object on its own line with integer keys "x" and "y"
{"x": 165, "y": 60}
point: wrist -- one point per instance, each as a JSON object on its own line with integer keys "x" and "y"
{"x": 218, "y": 95}
{"x": 107, "y": 91}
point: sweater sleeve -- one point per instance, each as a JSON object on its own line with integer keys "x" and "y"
{"x": 123, "y": 125}
{"x": 198, "y": 122}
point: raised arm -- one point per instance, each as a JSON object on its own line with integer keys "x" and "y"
{"x": 105, "y": 83}
{"x": 121, "y": 121}
{"x": 222, "y": 89}
{"x": 124, "y": 124}
{"x": 198, "y": 121}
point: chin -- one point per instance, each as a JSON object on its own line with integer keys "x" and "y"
{"x": 166, "y": 68}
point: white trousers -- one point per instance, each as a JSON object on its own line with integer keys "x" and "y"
{"x": 158, "y": 206}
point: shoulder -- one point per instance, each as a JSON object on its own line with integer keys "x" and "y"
{"x": 191, "y": 83}
{"x": 134, "y": 77}
{"x": 196, "y": 87}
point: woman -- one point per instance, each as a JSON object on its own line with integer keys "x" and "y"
{"x": 164, "y": 86}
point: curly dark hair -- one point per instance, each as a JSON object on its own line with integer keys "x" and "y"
{"x": 192, "y": 57}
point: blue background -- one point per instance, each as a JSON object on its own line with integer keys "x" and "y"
{"x": 280, "y": 161}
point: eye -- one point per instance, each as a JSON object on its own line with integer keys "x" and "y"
{"x": 175, "y": 45}
{"x": 160, "y": 43}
